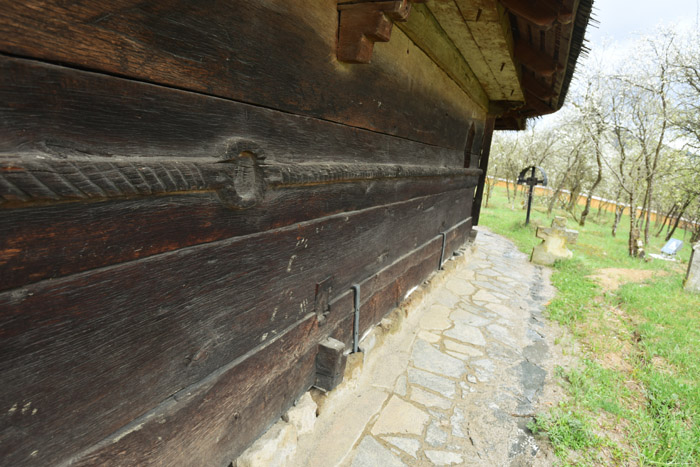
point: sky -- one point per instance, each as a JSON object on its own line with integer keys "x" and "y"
{"x": 622, "y": 21}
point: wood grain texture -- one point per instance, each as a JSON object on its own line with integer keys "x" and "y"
{"x": 141, "y": 331}
{"x": 330, "y": 364}
{"x": 239, "y": 182}
{"x": 389, "y": 287}
{"x": 484, "y": 166}
{"x": 52, "y": 241}
{"x": 426, "y": 32}
{"x": 211, "y": 423}
{"x": 54, "y": 111}
{"x": 273, "y": 53}
{"x": 481, "y": 31}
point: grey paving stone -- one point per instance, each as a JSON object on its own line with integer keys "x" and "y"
{"x": 537, "y": 352}
{"x": 468, "y": 350}
{"x": 468, "y": 318}
{"x": 429, "y": 358}
{"x": 456, "y": 421}
{"x": 370, "y": 453}
{"x": 429, "y": 399}
{"x": 432, "y": 381}
{"x": 500, "y": 352}
{"x": 435, "y": 435}
{"x": 501, "y": 334}
{"x": 484, "y": 369}
{"x": 444, "y": 457}
{"x": 447, "y": 298}
{"x": 407, "y": 445}
{"x": 467, "y": 334}
{"x": 400, "y": 387}
{"x": 532, "y": 378}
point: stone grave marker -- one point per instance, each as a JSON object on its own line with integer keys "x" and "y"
{"x": 692, "y": 278}
{"x": 672, "y": 246}
{"x": 555, "y": 239}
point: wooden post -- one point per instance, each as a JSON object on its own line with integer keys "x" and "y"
{"x": 483, "y": 165}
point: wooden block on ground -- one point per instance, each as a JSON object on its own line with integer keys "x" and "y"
{"x": 330, "y": 364}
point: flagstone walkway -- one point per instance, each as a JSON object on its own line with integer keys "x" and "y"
{"x": 459, "y": 380}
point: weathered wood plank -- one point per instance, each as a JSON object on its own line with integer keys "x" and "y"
{"x": 57, "y": 240}
{"x": 212, "y": 422}
{"x": 240, "y": 181}
{"x": 227, "y": 49}
{"x": 484, "y": 166}
{"x": 481, "y": 29}
{"x": 212, "y": 425}
{"x": 51, "y": 110}
{"x": 389, "y": 287}
{"x": 140, "y": 331}
{"x": 425, "y": 31}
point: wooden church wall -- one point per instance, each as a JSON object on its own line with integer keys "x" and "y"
{"x": 176, "y": 181}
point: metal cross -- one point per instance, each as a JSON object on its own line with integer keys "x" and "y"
{"x": 531, "y": 181}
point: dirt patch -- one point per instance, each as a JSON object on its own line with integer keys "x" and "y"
{"x": 610, "y": 279}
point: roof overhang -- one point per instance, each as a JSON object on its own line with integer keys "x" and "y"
{"x": 515, "y": 58}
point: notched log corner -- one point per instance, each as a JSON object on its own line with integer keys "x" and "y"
{"x": 330, "y": 364}
{"x": 361, "y": 24}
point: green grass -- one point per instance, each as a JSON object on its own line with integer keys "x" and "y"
{"x": 634, "y": 395}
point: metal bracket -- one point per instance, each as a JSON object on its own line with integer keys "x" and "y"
{"x": 442, "y": 252}
{"x": 322, "y": 305}
{"x": 356, "y": 326}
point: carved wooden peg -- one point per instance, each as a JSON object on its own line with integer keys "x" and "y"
{"x": 361, "y": 24}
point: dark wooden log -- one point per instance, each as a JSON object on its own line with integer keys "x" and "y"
{"x": 330, "y": 364}
{"x": 484, "y": 166}
{"x": 239, "y": 182}
{"x": 389, "y": 287}
{"x": 196, "y": 430}
{"x": 51, "y": 110}
{"x": 77, "y": 348}
{"x": 212, "y": 422}
{"x": 235, "y": 50}
{"x": 53, "y": 241}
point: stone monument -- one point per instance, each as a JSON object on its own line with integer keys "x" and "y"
{"x": 692, "y": 278}
{"x": 555, "y": 239}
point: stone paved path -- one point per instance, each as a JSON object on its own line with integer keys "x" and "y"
{"x": 459, "y": 384}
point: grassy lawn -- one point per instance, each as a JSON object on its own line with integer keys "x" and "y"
{"x": 634, "y": 397}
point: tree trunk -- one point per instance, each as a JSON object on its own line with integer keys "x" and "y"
{"x": 634, "y": 232}
{"x": 619, "y": 209}
{"x": 587, "y": 209}
{"x": 678, "y": 219}
{"x": 667, "y": 217}
{"x": 650, "y": 195}
{"x": 555, "y": 197}
{"x": 601, "y": 203}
